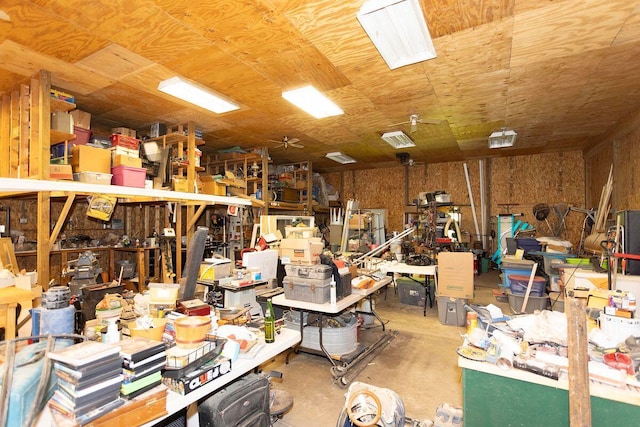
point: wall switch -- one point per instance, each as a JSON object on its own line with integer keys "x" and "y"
{"x": 23, "y": 220}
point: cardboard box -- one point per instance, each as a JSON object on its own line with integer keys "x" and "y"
{"x": 211, "y": 186}
{"x": 180, "y": 184}
{"x": 124, "y": 160}
{"x": 85, "y": 158}
{"x": 124, "y": 131}
{"x": 455, "y": 274}
{"x": 61, "y": 172}
{"x": 62, "y": 122}
{"x": 82, "y": 119}
{"x": 301, "y": 251}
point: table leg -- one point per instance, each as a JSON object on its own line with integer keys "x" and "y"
{"x": 10, "y": 327}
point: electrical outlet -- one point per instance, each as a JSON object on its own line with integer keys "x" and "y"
{"x": 23, "y": 220}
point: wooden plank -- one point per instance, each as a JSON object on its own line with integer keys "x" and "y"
{"x": 15, "y": 135}
{"x": 61, "y": 219}
{"x": 35, "y": 154}
{"x": 579, "y": 396}
{"x": 44, "y": 218}
{"x": 23, "y": 149}
{"x": 5, "y": 134}
{"x": 43, "y": 143}
{"x": 8, "y": 256}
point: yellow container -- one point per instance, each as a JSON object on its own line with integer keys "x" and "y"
{"x": 191, "y": 330}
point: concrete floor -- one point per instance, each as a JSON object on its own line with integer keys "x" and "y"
{"x": 420, "y": 363}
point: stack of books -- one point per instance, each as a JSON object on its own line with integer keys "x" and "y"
{"x": 142, "y": 362}
{"x": 89, "y": 379}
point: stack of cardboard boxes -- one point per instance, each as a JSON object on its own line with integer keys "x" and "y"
{"x": 455, "y": 286}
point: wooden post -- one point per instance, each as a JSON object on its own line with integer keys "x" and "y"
{"x": 42, "y": 145}
{"x": 579, "y": 396}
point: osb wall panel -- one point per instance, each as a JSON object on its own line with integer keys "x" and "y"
{"x": 519, "y": 183}
{"x": 597, "y": 165}
{"x": 622, "y": 151}
{"x": 515, "y": 185}
{"x": 378, "y": 189}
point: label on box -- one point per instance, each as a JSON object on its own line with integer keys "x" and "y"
{"x": 196, "y": 379}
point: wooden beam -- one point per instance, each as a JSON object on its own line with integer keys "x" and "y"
{"x": 35, "y": 153}
{"x": 5, "y": 134}
{"x": 194, "y": 217}
{"x": 579, "y": 396}
{"x": 61, "y": 219}
{"x": 43, "y": 245}
{"x": 42, "y": 144}
{"x": 23, "y": 149}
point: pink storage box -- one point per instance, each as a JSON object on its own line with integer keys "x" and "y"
{"x": 128, "y": 176}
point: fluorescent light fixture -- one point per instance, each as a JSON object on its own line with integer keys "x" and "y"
{"x": 398, "y": 30}
{"x": 313, "y": 102}
{"x": 196, "y": 94}
{"x": 337, "y": 156}
{"x": 398, "y": 139}
{"x": 503, "y": 138}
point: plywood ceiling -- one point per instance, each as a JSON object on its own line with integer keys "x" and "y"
{"x": 562, "y": 73}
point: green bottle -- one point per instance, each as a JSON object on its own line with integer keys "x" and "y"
{"x": 269, "y": 324}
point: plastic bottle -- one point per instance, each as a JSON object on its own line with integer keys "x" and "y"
{"x": 269, "y": 324}
{"x": 112, "y": 336}
{"x": 333, "y": 295}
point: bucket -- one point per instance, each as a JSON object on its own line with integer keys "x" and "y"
{"x": 191, "y": 330}
{"x": 154, "y": 333}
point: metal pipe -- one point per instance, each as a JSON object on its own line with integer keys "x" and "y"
{"x": 383, "y": 246}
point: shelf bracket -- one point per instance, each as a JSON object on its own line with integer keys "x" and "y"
{"x": 196, "y": 215}
{"x": 61, "y": 219}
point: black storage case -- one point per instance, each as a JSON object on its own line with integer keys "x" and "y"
{"x": 243, "y": 403}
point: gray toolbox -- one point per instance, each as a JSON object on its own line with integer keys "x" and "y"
{"x": 317, "y": 291}
{"x": 318, "y": 271}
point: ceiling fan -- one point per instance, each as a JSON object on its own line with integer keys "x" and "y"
{"x": 287, "y": 142}
{"x": 414, "y": 120}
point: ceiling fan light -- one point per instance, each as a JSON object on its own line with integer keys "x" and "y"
{"x": 337, "y": 156}
{"x": 313, "y": 102}
{"x": 398, "y": 30}
{"x": 197, "y": 95}
{"x": 502, "y": 139}
{"x": 398, "y": 139}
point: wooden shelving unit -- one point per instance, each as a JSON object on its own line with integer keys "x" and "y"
{"x": 27, "y": 146}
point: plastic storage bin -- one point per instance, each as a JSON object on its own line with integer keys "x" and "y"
{"x": 93, "y": 177}
{"x": 529, "y": 244}
{"x": 533, "y": 303}
{"x": 128, "y": 177}
{"x": 82, "y": 136}
{"x": 520, "y": 282}
{"x": 451, "y": 311}
{"x": 508, "y": 271}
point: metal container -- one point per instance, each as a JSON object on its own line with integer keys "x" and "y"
{"x": 319, "y": 271}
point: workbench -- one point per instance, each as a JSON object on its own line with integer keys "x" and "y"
{"x": 339, "y": 367}
{"x": 177, "y": 402}
{"x": 495, "y": 397}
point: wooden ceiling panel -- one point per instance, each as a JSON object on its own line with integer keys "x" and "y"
{"x": 43, "y": 31}
{"x": 452, "y": 16}
{"x": 566, "y": 29}
{"x": 559, "y": 72}
{"x": 21, "y": 60}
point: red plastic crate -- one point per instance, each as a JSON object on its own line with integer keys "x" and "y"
{"x": 119, "y": 140}
{"x": 128, "y": 176}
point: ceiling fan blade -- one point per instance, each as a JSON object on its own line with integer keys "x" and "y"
{"x": 292, "y": 140}
{"x": 293, "y": 144}
{"x": 398, "y": 124}
{"x": 273, "y": 140}
{"x": 430, "y": 121}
